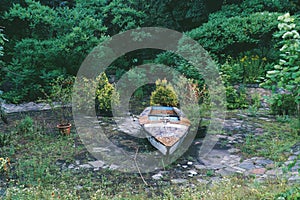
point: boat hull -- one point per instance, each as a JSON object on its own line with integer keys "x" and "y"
{"x": 166, "y": 128}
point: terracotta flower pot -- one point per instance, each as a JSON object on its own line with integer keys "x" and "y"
{"x": 64, "y": 129}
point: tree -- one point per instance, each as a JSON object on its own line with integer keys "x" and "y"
{"x": 54, "y": 41}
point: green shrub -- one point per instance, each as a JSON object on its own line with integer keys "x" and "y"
{"x": 286, "y": 74}
{"x": 25, "y": 126}
{"x": 283, "y": 104}
{"x": 181, "y": 66}
{"x": 295, "y": 125}
{"x": 83, "y": 94}
{"x": 53, "y": 41}
{"x": 101, "y": 99}
{"x": 243, "y": 8}
{"x": 164, "y": 94}
{"x": 236, "y": 98}
{"x": 5, "y": 139}
{"x": 105, "y": 95}
{"x": 236, "y": 34}
{"x": 246, "y": 69}
{"x": 290, "y": 194}
{"x": 268, "y": 5}
{"x": 61, "y": 92}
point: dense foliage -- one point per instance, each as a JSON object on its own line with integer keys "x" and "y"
{"x": 286, "y": 74}
{"x": 54, "y": 41}
{"x": 44, "y": 42}
{"x": 49, "y": 39}
{"x": 2, "y": 40}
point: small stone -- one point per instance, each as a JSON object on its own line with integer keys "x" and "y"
{"x": 288, "y": 162}
{"x": 178, "y": 181}
{"x": 59, "y": 163}
{"x": 157, "y": 176}
{"x": 263, "y": 162}
{"x": 189, "y": 163}
{"x": 77, "y": 162}
{"x": 239, "y": 169}
{"x": 105, "y": 166}
{"x": 97, "y": 163}
{"x": 216, "y": 166}
{"x": 258, "y": 171}
{"x": 163, "y": 172}
{"x": 184, "y": 166}
{"x": 226, "y": 158}
{"x": 71, "y": 166}
{"x": 247, "y": 165}
{"x": 227, "y": 171}
{"x": 113, "y": 167}
{"x": 230, "y": 138}
{"x": 294, "y": 179}
{"x": 292, "y": 158}
{"x": 200, "y": 167}
{"x": 297, "y": 153}
{"x": 261, "y": 178}
{"x": 296, "y": 168}
{"x": 273, "y": 172}
{"x": 234, "y": 150}
{"x": 85, "y": 166}
{"x": 78, "y": 187}
{"x": 202, "y": 181}
{"x": 270, "y": 166}
{"x": 192, "y": 172}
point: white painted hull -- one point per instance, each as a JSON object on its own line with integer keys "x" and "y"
{"x": 165, "y": 135}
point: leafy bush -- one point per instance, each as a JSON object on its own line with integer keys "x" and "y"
{"x": 236, "y": 98}
{"x": 247, "y": 69}
{"x": 25, "y": 126}
{"x": 283, "y": 104}
{"x": 105, "y": 95}
{"x": 180, "y": 65}
{"x": 290, "y": 194}
{"x": 61, "y": 92}
{"x": 286, "y": 74}
{"x": 164, "y": 94}
{"x": 82, "y": 94}
{"x": 268, "y": 5}
{"x": 236, "y": 34}
{"x": 5, "y": 139}
{"x": 53, "y": 41}
{"x": 97, "y": 92}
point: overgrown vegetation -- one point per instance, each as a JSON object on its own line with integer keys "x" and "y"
{"x": 35, "y": 165}
{"x": 277, "y": 140}
{"x": 43, "y": 43}
{"x": 286, "y": 74}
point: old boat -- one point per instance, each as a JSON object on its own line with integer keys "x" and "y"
{"x": 166, "y": 127}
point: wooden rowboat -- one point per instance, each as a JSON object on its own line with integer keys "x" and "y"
{"x": 166, "y": 127}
